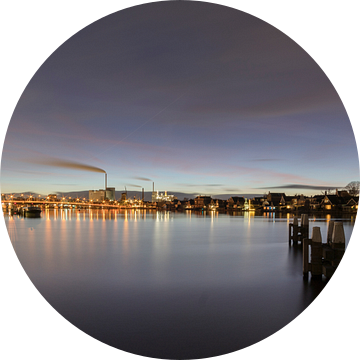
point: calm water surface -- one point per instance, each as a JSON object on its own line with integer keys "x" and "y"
{"x": 164, "y": 284}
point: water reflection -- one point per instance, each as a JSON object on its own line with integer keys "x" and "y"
{"x": 132, "y": 277}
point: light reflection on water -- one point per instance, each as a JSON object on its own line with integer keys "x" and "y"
{"x": 164, "y": 284}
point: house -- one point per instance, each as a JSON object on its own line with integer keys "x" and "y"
{"x": 235, "y": 202}
{"x": 257, "y": 202}
{"x": 189, "y": 204}
{"x": 220, "y": 204}
{"x": 333, "y": 202}
{"x": 202, "y": 201}
{"x": 216, "y": 204}
{"x": 274, "y": 201}
{"x": 315, "y": 201}
{"x": 274, "y": 197}
{"x": 351, "y": 205}
{"x": 211, "y": 205}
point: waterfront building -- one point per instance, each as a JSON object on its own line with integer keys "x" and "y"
{"x": 235, "y": 202}
{"x": 274, "y": 197}
{"x": 96, "y": 195}
{"x": 202, "y": 201}
{"x": 102, "y": 195}
{"x": 189, "y": 204}
{"x": 334, "y": 202}
{"x": 162, "y": 197}
{"x": 110, "y": 194}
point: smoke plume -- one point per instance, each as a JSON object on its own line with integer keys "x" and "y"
{"x": 55, "y": 162}
{"x": 142, "y": 178}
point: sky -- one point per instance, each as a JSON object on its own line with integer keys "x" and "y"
{"x": 195, "y": 97}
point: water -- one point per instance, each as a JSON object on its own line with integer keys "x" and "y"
{"x": 168, "y": 285}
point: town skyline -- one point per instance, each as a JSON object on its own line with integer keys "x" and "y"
{"x": 137, "y": 191}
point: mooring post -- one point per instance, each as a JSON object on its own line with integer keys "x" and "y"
{"x": 330, "y": 231}
{"x": 306, "y": 242}
{"x": 295, "y": 230}
{"x": 316, "y": 252}
{"x": 304, "y": 226}
{"x": 338, "y": 243}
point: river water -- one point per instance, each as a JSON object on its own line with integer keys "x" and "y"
{"x": 165, "y": 284}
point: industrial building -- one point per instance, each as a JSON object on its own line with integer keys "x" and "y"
{"x": 108, "y": 194}
{"x": 101, "y": 195}
{"x": 156, "y": 197}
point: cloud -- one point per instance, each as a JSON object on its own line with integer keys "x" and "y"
{"x": 301, "y": 186}
{"x": 142, "y": 179}
{"x": 202, "y": 185}
{"x": 266, "y": 160}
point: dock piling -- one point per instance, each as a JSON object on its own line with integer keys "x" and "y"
{"x": 324, "y": 258}
{"x": 316, "y": 252}
{"x": 338, "y": 243}
{"x": 330, "y": 231}
{"x": 299, "y": 232}
{"x": 304, "y": 227}
{"x": 306, "y": 243}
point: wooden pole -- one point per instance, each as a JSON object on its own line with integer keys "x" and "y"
{"x": 316, "y": 252}
{"x": 304, "y": 226}
{"x": 338, "y": 243}
{"x": 306, "y": 242}
{"x": 330, "y": 231}
{"x": 338, "y": 235}
{"x": 295, "y": 230}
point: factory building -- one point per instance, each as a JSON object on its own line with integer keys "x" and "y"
{"x": 101, "y": 195}
{"x": 156, "y": 197}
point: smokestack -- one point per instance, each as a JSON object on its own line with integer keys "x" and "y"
{"x": 105, "y": 181}
{"x": 153, "y": 186}
{"x": 143, "y": 194}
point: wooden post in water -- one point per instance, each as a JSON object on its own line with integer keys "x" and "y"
{"x": 306, "y": 242}
{"x": 324, "y": 258}
{"x": 304, "y": 226}
{"x": 330, "y": 231}
{"x": 316, "y": 252}
{"x": 295, "y": 230}
{"x": 338, "y": 243}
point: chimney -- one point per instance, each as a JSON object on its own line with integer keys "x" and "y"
{"x": 153, "y": 186}
{"x": 105, "y": 181}
{"x": 143, "y": 194}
